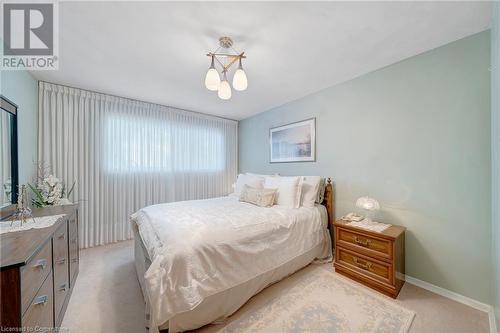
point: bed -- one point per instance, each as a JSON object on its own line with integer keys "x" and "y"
{"x": 199, "y": 261}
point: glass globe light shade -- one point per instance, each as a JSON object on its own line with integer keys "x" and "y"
{"x": 240, "y": 82}
{"x": 368, "y": 203}
{"x": 224, "y": 90}
{"x": 212, "y": 79}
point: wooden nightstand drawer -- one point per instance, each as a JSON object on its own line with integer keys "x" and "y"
{"x": 379, "y": 270}
{"x": 366, "y": 244}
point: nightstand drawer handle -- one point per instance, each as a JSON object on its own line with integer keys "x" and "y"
{"x": 365, "y": 242}
{"x": 365, "y": 265}
{"x": 61, "y": 261}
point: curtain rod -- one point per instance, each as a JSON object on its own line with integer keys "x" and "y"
{"x": 138, "y": 100}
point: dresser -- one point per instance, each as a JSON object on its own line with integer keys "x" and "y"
{"x": 375, "y": 259}
{"x": 38, "y": 272}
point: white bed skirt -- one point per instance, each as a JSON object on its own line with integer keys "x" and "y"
{"x": 217, "y": 307}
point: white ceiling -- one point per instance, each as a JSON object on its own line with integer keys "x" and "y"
{"x": 155, "y": 51}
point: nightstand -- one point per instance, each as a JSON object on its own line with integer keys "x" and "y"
{"x": 375, "y": 259}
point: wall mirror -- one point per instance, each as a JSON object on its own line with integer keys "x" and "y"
{"x": 8, "y": 153}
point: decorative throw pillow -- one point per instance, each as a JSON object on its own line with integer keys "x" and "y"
{"x": 262, "y": 197}
{"x": 250, "y": 180}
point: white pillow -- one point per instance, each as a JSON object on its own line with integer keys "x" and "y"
{"x": 250, "y": 180}
{"x": 289, "y": 190}
{"x": 310, "y": 189}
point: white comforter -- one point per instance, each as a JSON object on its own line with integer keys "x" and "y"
{"x": 200, "y": 248}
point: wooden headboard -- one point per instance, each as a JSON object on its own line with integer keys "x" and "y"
{"x": 328, "y": 201}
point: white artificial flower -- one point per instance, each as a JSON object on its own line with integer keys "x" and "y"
{"x": 50, "y": 188}
{"x": 52, "y": 180}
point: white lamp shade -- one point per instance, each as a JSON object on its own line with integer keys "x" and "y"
{"x": 367, "y": 203}
{"x": 224, "y": 90}
{"x": 240, "y": 80}
{"x": 212, "y": 80}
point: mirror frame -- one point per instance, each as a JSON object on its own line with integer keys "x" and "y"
{"x": 9, "y": 106}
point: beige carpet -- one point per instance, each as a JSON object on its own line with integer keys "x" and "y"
{"x": 107, "y": 298}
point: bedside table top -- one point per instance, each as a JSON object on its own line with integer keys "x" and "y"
{"x": 393, "y": 231}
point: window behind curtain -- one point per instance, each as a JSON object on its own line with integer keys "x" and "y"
{"x": 142, "y": 144}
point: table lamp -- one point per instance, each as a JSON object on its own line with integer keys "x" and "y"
{"x": 370, "y": 205}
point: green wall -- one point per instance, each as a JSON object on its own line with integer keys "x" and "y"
{"x": 495, "y": 140}
{"x": 21, "y": 88}
{"x": 416, "y": 136}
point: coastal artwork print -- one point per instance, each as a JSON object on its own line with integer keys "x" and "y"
{"x": 293, "y": 142}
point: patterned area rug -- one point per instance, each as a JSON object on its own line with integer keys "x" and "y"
{"x": 318, "y": 300}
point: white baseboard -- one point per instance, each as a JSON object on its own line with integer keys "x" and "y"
{"x": 457, "y": 298}
{"x": 493, "y": 324}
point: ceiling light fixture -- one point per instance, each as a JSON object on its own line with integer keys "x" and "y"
{"x": 225, "y": 60}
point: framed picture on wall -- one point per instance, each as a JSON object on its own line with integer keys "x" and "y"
{"x": 294, "y": 142}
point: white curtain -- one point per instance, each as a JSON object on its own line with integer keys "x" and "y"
{"x": 126, "y": 154}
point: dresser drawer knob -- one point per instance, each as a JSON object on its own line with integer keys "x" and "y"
{"x": 61, "y": 261}
{"x": 40, "y": 263}
{"x": 364, "y": 265}
{"x": 41, "y": 300}
{"x": 362, "y": 242}
{"x": 61, "y": 236}
{"x": 63, "y": 287}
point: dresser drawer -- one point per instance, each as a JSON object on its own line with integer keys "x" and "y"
{"x": 60, "y": 241}
{"x": 39, "y": 316}
{"x": 73, "y": 257}
{"x": 375, "y": 269}
{"x": 61, "y": 289}
{"x": 61, "y": 267}
{"x": 73, "y": 226}
{"x": 366, "y": 244}
{"x": 34, "y": 273}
